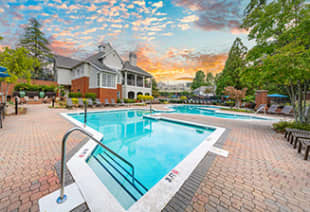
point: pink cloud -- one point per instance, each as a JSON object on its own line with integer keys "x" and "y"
{"x": 238, "y": 31}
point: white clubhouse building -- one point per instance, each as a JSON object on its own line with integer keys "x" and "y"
{"x": 105, "y": 74}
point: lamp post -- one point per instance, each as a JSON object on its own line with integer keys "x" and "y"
{"x": 85, "y": 113}
{"x": 16, "y": 105}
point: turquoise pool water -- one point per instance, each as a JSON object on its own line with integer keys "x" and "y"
{"x": 196, "y": 109}
{"x": 154, "y": 147}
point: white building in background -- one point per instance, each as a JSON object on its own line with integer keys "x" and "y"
{"x": 174, "y": 87}
{"x": 206, "y": 91}
{"x": 105, "y": 74}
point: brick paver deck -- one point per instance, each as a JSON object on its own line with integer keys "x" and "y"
{"x": 262, "y": 172}
{"x": 29, "y": 148}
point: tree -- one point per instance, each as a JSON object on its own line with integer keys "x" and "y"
{"x": 235, "y": 94}
{"x": 19, "y": 65}
{"x": 281, "y": 29}
{"x": 230, "y": 76}
{"x": 155, "y": 91}
{"x": 37, "y": 45}
{"x": 210, "y": 79}
{"x": 1, "y": 37}
{"x": 199, "y": 80}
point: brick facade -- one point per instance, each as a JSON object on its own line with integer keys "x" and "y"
{"x": 261, "y": 97}
{"x": 82, "y": 85}
{"x": 34, "y": 82}
{"x": 106, "y": 93}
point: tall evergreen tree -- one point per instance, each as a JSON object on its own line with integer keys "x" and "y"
{"x": 155, "y": 91}
{"x": 1, "y": 38}
{"x": 230, "y": 76}
{"x": 199, "y": 80}
{"x": 210, "y": 79}
{"x": 37, "y": 45}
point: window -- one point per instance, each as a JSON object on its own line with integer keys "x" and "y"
{"x": 98, "y": 80}
{"x": 78, "y": 72}
{"x": 108, "y": 80}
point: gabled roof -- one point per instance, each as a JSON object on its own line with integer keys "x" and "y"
{"x": 94, "y": 59}
{"x": 129, "y": 67}
{"x": 65, "y": 62}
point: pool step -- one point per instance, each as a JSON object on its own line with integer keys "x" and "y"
{"x": 125, "y": 187}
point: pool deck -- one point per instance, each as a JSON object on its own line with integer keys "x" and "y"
{"x": 262, "y": 172}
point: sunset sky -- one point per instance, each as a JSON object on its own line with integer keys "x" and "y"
{"x": 172, "y": 39}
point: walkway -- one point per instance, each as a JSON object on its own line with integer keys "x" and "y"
{"x": 262, "y": 172}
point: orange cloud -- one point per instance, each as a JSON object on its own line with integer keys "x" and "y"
{"x": 238, "y": 31}
{"x": 178, "y": 64}
{"x": 64, "y": 48}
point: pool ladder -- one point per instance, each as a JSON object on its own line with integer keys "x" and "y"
{"x": 62, "y": 196}
{"x": 132, "y": 186}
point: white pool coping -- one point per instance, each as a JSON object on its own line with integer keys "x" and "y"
{"x": 261, "y": 117}
{"x": 98, "y": 197}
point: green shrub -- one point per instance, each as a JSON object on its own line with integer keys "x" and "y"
{"x": 75, "y": 101}
{"x": 31, "y": 87}
{"x": 280, "y": 126}
{"x": 75, "y": 95}
{"x": 183, "y": 98}
{"x": 145, "y": 98}
{"x": 129, "y": 101}
{"x": 91, "y": 96}
{"x": 238, "y": 110}
{"x": 250, "y": 98}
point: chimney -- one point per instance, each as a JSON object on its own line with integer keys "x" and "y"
{"x": 133, "y": 58}
{"x": 104, "y": 47}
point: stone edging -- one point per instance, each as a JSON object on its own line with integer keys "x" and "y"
{"x": 182, "y": 199}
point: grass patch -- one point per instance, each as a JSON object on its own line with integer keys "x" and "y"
{"x": 280, "y": 126}
{"x": 238, "y": 110}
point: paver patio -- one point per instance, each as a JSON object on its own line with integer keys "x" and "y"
{"x": 262, "y": 172}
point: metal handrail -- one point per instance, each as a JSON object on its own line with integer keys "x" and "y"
{"x": 62, "y": 196}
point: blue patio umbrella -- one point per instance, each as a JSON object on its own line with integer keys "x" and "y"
{"x": 3, "y": 73}
{"x": 275, "y": 95}
{"x": 2, "y": 69}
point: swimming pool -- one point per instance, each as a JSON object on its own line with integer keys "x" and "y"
{"x": 203, "y": 110}
{"x": 154, "y": 147}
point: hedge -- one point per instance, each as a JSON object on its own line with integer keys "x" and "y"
{"x": 145, "y": 98}
{"x": 31, "y": 87}
{"x": 91, "y": 96}
{"x": 75, "y": 95}
{"x": 130, "y": 101}
{"x": 280, "y": 126}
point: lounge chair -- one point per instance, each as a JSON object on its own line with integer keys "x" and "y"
{"x": 45, "y": 100}
{"x": 273, "y": 108}
{"x": 36, "y": 98}
{"x": 106, "y": 102}
{"x": 113, "y": 102}
{"x": 261, "y": 107}
{"x": 26, "y": 99}
{"x": 81, "y": 103}
{"x": 98, "y": 103}
{"x": 306, "y": 143}
{"x": 90, "y": 102}
{"x": 69, "y": 103}
{"x": 286, "y": 110}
